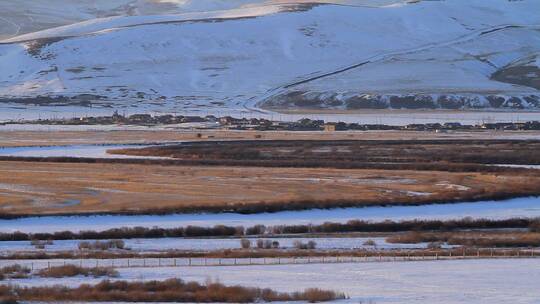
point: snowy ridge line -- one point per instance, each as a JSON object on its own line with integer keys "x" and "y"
{"x": 380, "y": 57}
{"x": 176, "y": 18}
{"x": 375, "y": 257}
{"x": 120, "y": 22}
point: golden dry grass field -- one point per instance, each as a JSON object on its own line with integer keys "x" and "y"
{"x": 62, "y": 188}
{"x": 40, "y": 138}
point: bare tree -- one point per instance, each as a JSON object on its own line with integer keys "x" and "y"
{"x": 245, "y": 243}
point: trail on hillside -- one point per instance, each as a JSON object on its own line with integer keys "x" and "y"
{"x": 255, "y": 102}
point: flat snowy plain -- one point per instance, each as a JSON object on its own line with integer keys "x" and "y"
{"x": 165, "y": 244}
{"x": 498, "y": 281}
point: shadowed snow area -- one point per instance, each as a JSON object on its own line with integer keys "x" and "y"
{"x": 238, "y": 56}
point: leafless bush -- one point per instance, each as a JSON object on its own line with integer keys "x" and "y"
{"x": 370, "y": 243}
{"x": 313, "y": 295}
{"x": 245, "y": 243}
{"x": 14, "y": 272}
{"x": 305, "y": 246}
{"x": 256, "y": 230}
{"x": 414, "y": 237}
{"x": 102, "y": 245}
{"x": 264, "y": 244}
{"x": 72, "y": 270}
{"x": 435, "y": 245}
{"x": 472, "y": 238}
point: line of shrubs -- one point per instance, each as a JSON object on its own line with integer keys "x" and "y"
{"x": 259, "y": 230}
{"x": 102, "y": 245}
{"x": 470, "y": 239}
{"x": 172, "y": 290}
{"x": 274, "y": 244}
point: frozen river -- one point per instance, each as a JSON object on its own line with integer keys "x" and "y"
{"x": 83, "y": 151}
{"x": 520, "y": 207}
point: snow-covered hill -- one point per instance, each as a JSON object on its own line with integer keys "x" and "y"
{"x": 345, "y": 55}
{"x": 18, "y": 17}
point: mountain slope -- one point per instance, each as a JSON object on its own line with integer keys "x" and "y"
{"x": 428, "y": 54}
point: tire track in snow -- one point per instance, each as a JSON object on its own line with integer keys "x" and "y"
{"x": 15, "y": 25}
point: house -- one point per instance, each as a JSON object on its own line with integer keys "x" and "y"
{"x": 452, "y": 125}
{"x": 187, "y": 119}
{"x": 144, "y": 118}
{"x": 416, "y": 127}
{"x": 330, "y": 127}
{"x": 226, "y": 120}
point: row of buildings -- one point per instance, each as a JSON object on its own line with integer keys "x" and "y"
{"x": 261, "y": 124}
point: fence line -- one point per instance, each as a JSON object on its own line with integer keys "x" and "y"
{"x": 198, "y": 262}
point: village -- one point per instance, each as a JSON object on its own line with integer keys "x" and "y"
{"x": 262, "y": 124}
